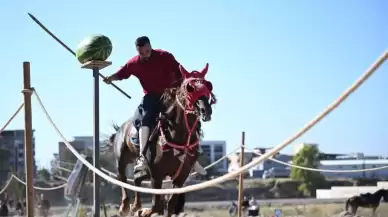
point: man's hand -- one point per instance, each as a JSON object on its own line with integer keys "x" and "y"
{"x": 109, "y": 79}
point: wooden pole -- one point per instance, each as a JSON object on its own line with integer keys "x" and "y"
{"x": 241, "y": 178}
{"x": 28, "y": 140}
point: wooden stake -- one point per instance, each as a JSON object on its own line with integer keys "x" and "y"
{"x": 28, "y": 140}
{"x": 241, "y": 179}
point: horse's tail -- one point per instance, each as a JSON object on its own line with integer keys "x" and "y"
{"x": 347, "y": 204}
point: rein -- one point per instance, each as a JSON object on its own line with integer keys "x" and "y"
{"x": 188, "y": 147}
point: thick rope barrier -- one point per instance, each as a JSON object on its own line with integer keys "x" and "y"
{"x": 235, "y": 173}
{"x": 12, "y": 117}
{"x": 320, "y": 170}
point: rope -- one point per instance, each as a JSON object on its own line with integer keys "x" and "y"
{"x": 6, "y": 184}
{"x": 235, "y": 173}
{"x": 40, "y": 188}
{"x": 169, "y": 181}
{"x": 321, "y": 170}
{"x": 12, "y": 117}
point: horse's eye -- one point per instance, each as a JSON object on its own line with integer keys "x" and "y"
{"x": 189, "y": 88}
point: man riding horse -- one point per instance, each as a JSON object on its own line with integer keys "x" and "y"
{"x": 157, "y": 70}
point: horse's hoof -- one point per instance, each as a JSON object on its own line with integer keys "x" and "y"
{"x": 133, "y": 209}
{"x": 146, "y": 212}
{"x": 124, "y": 210}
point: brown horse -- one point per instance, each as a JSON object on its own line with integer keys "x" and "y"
{"x": 177, "y": 131}
{"x": 367, "y": 200}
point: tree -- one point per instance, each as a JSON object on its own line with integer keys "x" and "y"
{"x": 44, "y": 174}
{"x": 308, "y": 156}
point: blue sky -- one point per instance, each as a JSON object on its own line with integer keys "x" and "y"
{"x": 274, "y": 66}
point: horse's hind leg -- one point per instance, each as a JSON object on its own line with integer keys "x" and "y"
{"x": 122, "y": 165}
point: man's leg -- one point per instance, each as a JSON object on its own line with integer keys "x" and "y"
{"x": 150, "y": 112}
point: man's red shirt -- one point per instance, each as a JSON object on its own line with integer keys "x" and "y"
{"x": 158, "y": 73}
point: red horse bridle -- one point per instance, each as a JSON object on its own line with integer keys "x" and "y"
{"x": 193, "y": 87}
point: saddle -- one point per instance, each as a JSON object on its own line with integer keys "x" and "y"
{"x": 136, "y": 123}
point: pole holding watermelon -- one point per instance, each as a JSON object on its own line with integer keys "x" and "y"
{"x": 96, "y": 66}
{"x": 70, "y": 50}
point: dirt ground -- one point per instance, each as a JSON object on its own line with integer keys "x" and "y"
{"x": 324, "y": 210}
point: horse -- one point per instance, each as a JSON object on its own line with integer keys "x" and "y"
{"x": 177, "y": 132}
{"x": 367, "y": 200}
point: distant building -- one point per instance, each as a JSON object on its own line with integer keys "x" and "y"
{"x": 79, "y": 143}
{"x": 215, "y": 149}
{"x": 13, "y": 140}
{"x": 355, "y": 165}
{"x": 258, "y": 170}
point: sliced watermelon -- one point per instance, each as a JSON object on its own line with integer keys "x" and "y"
{"x": 96, "y": 47}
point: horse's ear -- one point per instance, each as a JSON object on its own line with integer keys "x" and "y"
{"x": 183, "y": 71}
{"x": 204, "y": 70}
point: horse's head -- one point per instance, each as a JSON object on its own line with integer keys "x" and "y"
{"x": 109, "y": 141}
{"x": 197, "y": 93}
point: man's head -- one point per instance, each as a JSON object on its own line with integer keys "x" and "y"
{"x": 143, "y": 47}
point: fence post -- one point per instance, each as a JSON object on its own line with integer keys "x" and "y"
{"x": 241, "y": 178}
{"x": 28, "y": 140}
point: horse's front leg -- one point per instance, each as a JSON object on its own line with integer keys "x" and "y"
{"x": 125, "y": 201}
{"x": 173, "y": 202}
{"x": 137, "y": 202}
{"x": 374, "y": 211}
{"x": 157, "y": 202}
{"x": 354, "y": 209}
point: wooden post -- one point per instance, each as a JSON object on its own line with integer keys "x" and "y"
{"x": 241, "y": 179}
{"x": 96, "y": 66}
{"x": 28, "y": 140}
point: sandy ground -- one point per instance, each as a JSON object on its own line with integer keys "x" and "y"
{"x": 305, "y": 210}
{"x": 316, "y": 210}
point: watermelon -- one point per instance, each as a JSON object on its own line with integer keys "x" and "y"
{"x": 96, "y": 47}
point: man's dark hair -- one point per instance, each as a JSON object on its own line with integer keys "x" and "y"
{"x": 141, "y": 41}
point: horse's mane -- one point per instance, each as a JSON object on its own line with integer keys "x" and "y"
{"x": 169, "y": 97}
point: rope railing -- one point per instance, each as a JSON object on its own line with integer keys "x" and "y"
{"x": 12, "y": 117}
{"x": 232, "y": 174}
{"x": 148, "y": 182}
{"x": 321, "y": 170}
{"x": 40, "y": 188}
{"x": 14, "y": 177}
{"x": 6, "y": 184}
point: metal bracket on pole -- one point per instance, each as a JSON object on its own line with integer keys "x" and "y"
{"x": 96, "y": 66}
